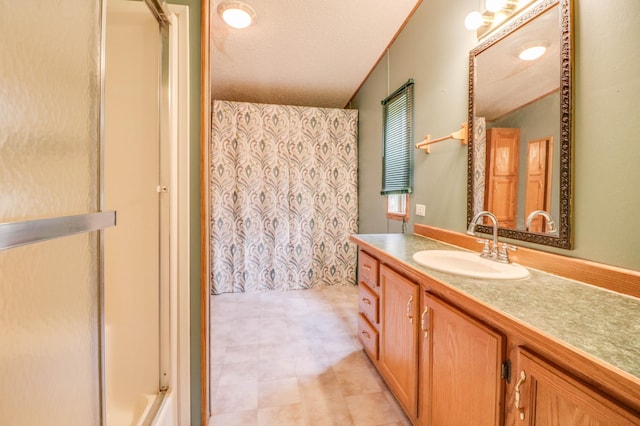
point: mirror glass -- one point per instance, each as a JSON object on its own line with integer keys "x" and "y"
{"x": 520, "y": 126}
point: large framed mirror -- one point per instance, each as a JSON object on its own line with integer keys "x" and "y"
{"x": 520, "y": 127}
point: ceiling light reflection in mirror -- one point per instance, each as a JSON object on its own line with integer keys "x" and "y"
{"x": 236, "y": 14}
{"x": 531, "y": 53}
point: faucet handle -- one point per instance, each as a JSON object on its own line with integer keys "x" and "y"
{"x": 503, "y": 255}
{"x": 486, "y": 250}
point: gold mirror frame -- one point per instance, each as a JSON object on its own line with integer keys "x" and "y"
{"x": 564, "y": 237}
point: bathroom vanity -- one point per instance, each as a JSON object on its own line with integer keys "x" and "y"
{"x": 454, "y": 350}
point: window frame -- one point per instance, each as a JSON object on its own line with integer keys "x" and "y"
{"x": 397, "y": 215}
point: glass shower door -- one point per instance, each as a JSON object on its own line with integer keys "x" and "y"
{"x": 50, "y": 187}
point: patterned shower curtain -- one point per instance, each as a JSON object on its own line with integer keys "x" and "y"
{"x": 283, "y": 194}
{"x": 479, "y": 162}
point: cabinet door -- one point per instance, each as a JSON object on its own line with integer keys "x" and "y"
{"x": 460, "y": 365}
{"x": 399, "y": 334}
{"x": 545, "y": 395}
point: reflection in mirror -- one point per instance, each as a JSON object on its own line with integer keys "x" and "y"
{"x": 546, "y": 224}
{"x": 520, "y": 133}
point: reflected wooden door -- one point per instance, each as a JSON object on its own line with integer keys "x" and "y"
{"x": 503, "y": 163}
{"x": 538, "y": 191}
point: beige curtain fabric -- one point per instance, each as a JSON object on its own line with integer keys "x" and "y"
{"x": 283, "y": 194}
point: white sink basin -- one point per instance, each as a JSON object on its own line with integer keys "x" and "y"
{"x": 469, "y": 264}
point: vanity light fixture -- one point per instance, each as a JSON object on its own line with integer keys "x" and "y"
{"x": 531, "y": 53}
{"x": 494, "y": 5}
{"x": 474, "y": 20}
{"x": 236, "y": 14}
{"x": 497, "y": 5}
{"x": 494, "y": 14}
{"x": 499, "y": 17}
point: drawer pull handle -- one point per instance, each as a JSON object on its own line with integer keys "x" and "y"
{"x": 523, "y": 377}
{"x": 409, "y": 310}
{"x": 366, "y": 335}
{"x": 366, "y": 267}
{"x": 366, "y": 301}
{"x": 423, "y": 323}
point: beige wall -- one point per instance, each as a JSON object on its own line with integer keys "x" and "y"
{"x": 131, "y": 169}
{"x": 433, "y": 49}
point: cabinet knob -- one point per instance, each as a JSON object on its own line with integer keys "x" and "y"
{"x": 523, "y": 377}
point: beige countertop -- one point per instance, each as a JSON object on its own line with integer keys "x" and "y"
{"x": 602, "y": 324}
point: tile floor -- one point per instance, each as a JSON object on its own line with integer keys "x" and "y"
{"x": 293, "y": 359}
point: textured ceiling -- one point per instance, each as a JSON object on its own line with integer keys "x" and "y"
{"x": 303, "y": 52}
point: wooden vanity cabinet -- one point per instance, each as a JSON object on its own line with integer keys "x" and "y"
{"x": 443, "y": 356}
{"x": 460, "y": 368}
{"x": 368, "y": 304}
{"x": 368, "y": 319}
{"x": 547, "y": 396}
{"x": 398, "y": 362}
{"x": 442, "y": 366}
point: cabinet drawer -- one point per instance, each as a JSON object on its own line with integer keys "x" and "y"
{"x": 368, "y": 335}
{"x": 368, "y": 268}
{"x": 368, "y": 304}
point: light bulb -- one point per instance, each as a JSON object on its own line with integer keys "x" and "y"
{"x": 236, "y": 14}
{"x": 473, "y": 21}
{"x": 532, "y": 53}
{"x": 236, "y": 18}
{"x": 494, "y": 5}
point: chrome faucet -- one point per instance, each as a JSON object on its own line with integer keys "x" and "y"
{"x": 489, "y": 254}
{"x": 551, "y": 225}
{"x": 497, "y": 252}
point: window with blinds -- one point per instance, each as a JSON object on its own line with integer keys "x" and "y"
{"x": 397, "y": 151}
{"x": 397, "y": 141}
